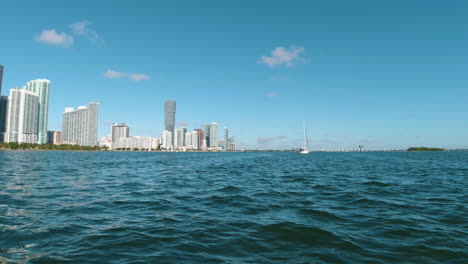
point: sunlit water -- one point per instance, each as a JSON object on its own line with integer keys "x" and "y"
{"x": 91, "y": 207}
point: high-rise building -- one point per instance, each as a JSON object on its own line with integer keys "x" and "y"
{"x": 226, "y": 139}
{"x": 54, "y": 137}
{"x": 206, "y": 131}
{"x": 166, "y": 138}
{"x": 3, "y": 116}
{"x": 22, "y": 116}
{"x": 178, "y": 138}
{"x": 42, "y": 88}
{"x": 195, "y": 140}
{"x": 184, "y": 131}
{"x": 213, "y": 135}
{"x": 169, "y": 117}
{"x": 120, "y": 130}
{"x": 80, "y": 126}
{"x": 188, "y": 139}
{"x": 1, "y": 79}
{"x": 3, "y": 108}
{"x": 201, "y": 137}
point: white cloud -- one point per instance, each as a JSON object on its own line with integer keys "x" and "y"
{"x": 282, "y": 55}
{"x": 51, "y": 37}
{"x": 82, "y": 29}
{"x": 139, "y": 77}
{"x": 272, "y": 94}
{"x": 111, "y": 74}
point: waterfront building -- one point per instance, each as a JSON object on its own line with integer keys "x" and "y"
{"x": 134, "y": 143}
{"x": 195, "y": 140}
{"x": 206, "y": 131}
{"x": 166, "y": 140}
{"x": 232, "y": 147}
{"x": 184, "y": 130}
{"x": 169, "y": 117}
{"x": 226, "y": 139}
{"x": 155, "y": 143}
{"x": 201, "y": 138}
{"x": 119, "y": 130}
{"x": 54, "y": 137}
{"x": 106, "y": 141}
{"x": 213, "y": 141}
{"x": 178, "y": 138}
{"x": 1, "y": 79}
{"x": 80, "y": 126}
{"x": 22, "y": 116}
{"x": 3, "y": 116}
{"x": 188, "y": 140}
{"x": 42, "y": 88}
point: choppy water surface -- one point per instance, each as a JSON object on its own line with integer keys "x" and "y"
{"x": 88, "y": 207}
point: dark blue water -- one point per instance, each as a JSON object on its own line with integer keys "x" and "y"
{"x": 88, "y": 207}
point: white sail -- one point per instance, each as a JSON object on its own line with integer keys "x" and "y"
{"x": 305, "y": 150}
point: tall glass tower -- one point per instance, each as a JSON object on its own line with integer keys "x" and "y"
{"x": 169, "y": 117}
{"x": 1, "y": 78}
{"x": 42, "y": 88}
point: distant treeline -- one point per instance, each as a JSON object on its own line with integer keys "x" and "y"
{"x": 424, "y": 149}
{"x": 29, "y": 146}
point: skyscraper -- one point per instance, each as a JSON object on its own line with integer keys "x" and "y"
{"x": 226, "y": 139}
{"x": 22, "y": 117}
{"x": 188, "y": 140}
{"x": 1, "y": 79}
{"x": 80, "y": 126}
{"x": 3, "y": 108}
{"x": 206, "y": 131}
{"x": 195, "y": 140}
{"x": 201, "y": 137}
{"x": 178, "y": 138}
{"x": 119, "y": 131}
{"x": 169, "y": 117}
{"x": 3, "y": 116}
{"x": 213, "y": 135}
{"x": 42, "y": 88}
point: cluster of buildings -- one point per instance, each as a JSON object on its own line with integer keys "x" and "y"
{"x": 172, "y": 139}
{"x": 24, "y": 117}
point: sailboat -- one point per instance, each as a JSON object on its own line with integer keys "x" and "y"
{"x": 305, "y": 150}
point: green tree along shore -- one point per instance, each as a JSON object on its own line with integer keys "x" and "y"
{"x": 29, "y": 146}
{"x": 424, "y": 149}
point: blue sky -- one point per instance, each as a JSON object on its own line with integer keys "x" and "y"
{"x": 385, "y": 74}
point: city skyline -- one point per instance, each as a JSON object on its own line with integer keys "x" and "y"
{"x": 354, "y": 82}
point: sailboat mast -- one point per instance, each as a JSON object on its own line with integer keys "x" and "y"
{"x": 306, "y": 141}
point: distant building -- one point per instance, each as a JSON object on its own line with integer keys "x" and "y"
{"x": 169, "y": 117}
{"x": 156, "y": 143}
{"x": 22, "y": 116}
{"x": 226, "y": 139}
{"x": 166, "y": 140}
{"x": 1, "y": 78}
{"x": 195, "y": 140}
{"x": 80, "y": 126}
{"x": 42, "y": 88}
{"x": 232, "y": 147}
{"x": 119, "y": 130}
{"x": 54, "y": 137}
{"x": 135, "y": 143}
{"x": 188, "y": 140}
{"x": 178, "y": 138}
{"x": 206, "y": 131}
{"x": 201, "y": 137}
{"x": 3, "y": 116}
{"x": 213, "y": 141}
{"x": 106, "y": 141}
